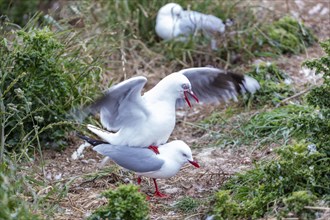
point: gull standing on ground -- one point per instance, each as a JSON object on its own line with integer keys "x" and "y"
{"x": 172, "y": 156}
{"x": 174, "y": 22}
{"x": 132, "y": 119}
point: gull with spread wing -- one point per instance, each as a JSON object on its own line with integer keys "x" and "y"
{"x": 133, "y": 119}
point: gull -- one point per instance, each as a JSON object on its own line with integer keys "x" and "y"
{"x": 174, "y": 22}
{"x": 133, "y": 119}
{"x": 172, "y": 156}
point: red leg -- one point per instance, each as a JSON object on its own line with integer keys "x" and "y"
{"x": 154, "y": 149}
{"x": 139, "y": 180}
{"x": 139, "y": 183}
{"x": 157, "y": 193}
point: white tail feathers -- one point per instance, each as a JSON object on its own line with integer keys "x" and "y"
{"x": 250, "y": 84}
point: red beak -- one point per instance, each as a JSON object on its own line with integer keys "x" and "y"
{"x": 194, "y": 163}
{"x": 186, "y": 92}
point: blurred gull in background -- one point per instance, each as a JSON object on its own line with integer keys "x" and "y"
{"x": 174, "y": 22}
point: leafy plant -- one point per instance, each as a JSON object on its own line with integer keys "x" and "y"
{"x": 42, "y": 79}
{"x": 123, "y": 203}
{"x": 320, "y": 96}
{"x": 297, "y": 202}
{"x": 270, "y": 184}
{"x": 317, "y": 128}
{"x": 225, "y": 207}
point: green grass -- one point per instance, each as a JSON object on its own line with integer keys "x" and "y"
{"x": 187, "y": 205}
{"x": 13, "y": 202}
{"x": 275, "y": 85}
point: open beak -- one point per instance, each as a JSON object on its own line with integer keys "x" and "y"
{"x": 194, "y": 163}
{"x": 186, "y": 92}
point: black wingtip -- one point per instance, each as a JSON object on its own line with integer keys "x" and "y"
{"x": 90, "y": 140}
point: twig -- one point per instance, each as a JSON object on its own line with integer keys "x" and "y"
{"x": 197, "y": 214}
{"x": 292, "y": 97}
{"x": 317, "y": 208}
{"x": 89, "y": 181}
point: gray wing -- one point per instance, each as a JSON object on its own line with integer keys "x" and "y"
{"x": 212, "y": 85}
{"x": 132, "y": 158}
{"x": 192, "y": 21}
{"x": 188, "y": 23}
{"x": 122, "y": 104}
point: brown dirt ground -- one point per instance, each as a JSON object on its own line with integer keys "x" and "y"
{"x": 216, "y": 164}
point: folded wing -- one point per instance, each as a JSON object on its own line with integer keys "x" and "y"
{"x": 132, "y": 158}
{"x": 192, "y": 21}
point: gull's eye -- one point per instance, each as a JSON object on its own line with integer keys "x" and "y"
{"x": 185, "y": 155}
{"x": 185, "y": 86}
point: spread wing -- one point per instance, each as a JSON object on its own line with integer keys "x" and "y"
{"x": 212, "y": 85}
{"x": 122, "y": 104}
{"x": 132, "y": 158}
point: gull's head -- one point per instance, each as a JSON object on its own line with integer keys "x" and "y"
{"x": 174, "y": 86}
{"x": 170, "y": 9}
{"x": 182, "y": 87}
{"x": 181, "y": 153}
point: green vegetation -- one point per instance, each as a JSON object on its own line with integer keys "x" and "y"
{"x": 42, "y": 79}
{"x": 296, "y": 203}
{"x": 271, "y": 184}
{"x": 19, "y": 12}
{"x": 275, "y": 125}
{"x": 123, "y": 203}
{"x": 299, "y": 176}
{"x": 132, "y": 25}
{"x": 287, "y": 35}
{"x": 187, "y": 204}
{"x": 13, "y": 204}
{"x": 317, "y": 128}
{"x": 62, "y": 61}
{"x": 274, "y": 85}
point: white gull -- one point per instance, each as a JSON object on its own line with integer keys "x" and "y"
{"x": 172, "y": 156}
{"x": 174, "y": 22}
